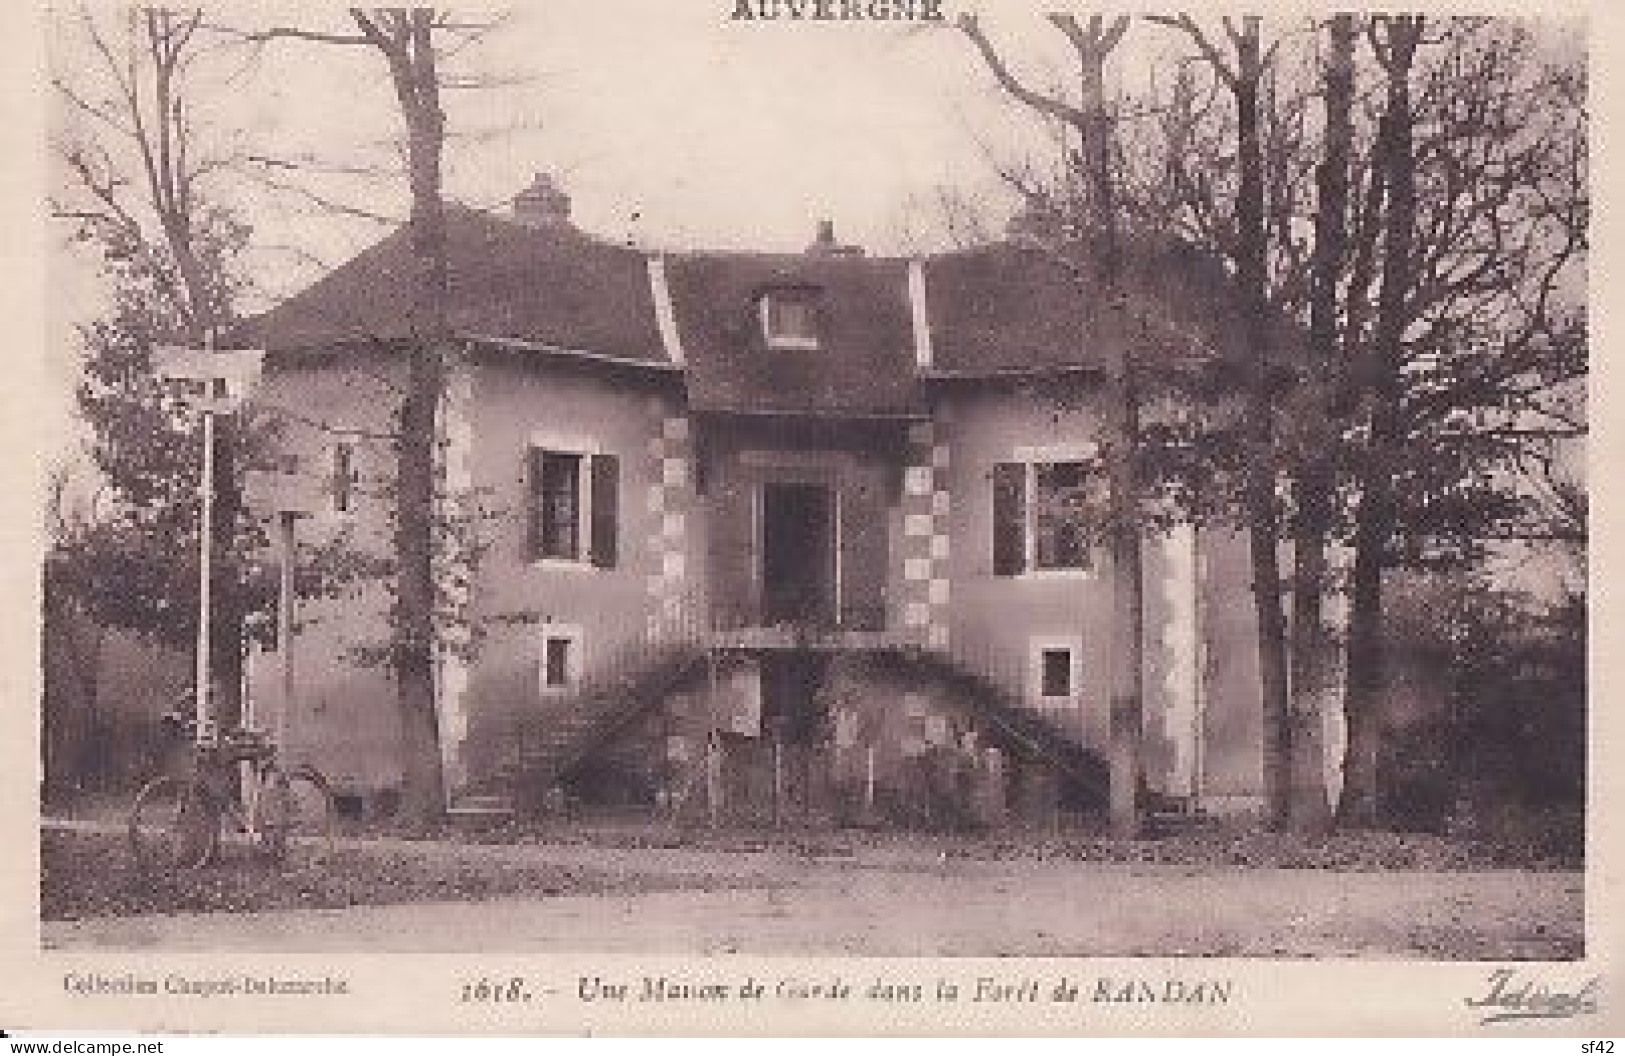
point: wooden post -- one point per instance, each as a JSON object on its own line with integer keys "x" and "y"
{"x": 284, "y": 624}
{"x": 713, "y": 779}
{"x": 869, "y": 780}
{"x": 778, "y": 782}
{"x": 202, "y": 713}
{"x": 713, "y": 756}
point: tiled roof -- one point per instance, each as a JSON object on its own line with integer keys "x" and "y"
{"x": 1012, "y": 307}
{"x": 552, "y": 286}
{"x": 992, "y": 310}
{"x": 864, "y": 362}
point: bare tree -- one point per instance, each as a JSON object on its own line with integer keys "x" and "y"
{"x": 1394, "y": 40}
{"x": 1492, "y": 343}
{"x": 1480, "y": 188}
{"x": 137, "y": 170}
{"x": 407, "y": 41}
{"x": 1092, "y": 121}
{"x": 1316, "y": 480}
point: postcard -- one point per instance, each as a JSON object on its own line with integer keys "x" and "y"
{"x": 805, "y": 517}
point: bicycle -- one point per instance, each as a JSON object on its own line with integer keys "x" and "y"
{"x": 176, "y": 821}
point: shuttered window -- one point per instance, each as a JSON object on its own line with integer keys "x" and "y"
{"x": 574, "y": 507}
{"x": 1063, "y": 511}
{"x": 342, "y": 485}
{"x": 605, "y": 507}
{"x": 1046, "y": 514}
{"x": 1009, "y": 518}
{"x": 559, "y": 505}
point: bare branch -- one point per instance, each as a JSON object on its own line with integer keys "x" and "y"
{"x": 471, "y": 33}
{"x": 309, "y": 163}
{"x": 971, "y": 27}
{"x": 283, "y": 411}
{"x": 316, "y": 198}
{"x": 1187, "y": 25}
{"x": 265, "y": 36}
{"x": 469, "y": 82}
{"x": 105, "y": 189}
{"x": 1114, "y": 35}
{"x": 370, "y": 30}
{"x": 101, "y": 113}
{"x": 1095, "y": 43}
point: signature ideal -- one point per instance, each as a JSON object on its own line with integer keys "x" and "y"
{"x": 1511, "y": 997}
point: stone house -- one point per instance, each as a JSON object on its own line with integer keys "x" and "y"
{"x": 781, "y": 537}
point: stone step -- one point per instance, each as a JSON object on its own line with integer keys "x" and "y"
{"x": 481, "y": 805}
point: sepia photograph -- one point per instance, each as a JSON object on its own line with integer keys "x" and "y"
{"x": 815, "y": 479}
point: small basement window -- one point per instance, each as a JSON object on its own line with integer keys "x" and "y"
{"x": 1056, "y": 671}
{"x": 556, "y": 665}
{"x": 790, "y": 318}
{"x": 559, "y": 669}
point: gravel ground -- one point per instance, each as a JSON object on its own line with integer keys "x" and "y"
{"x": 1553, "y": 840}
{"x": 87, "y": 872}
{"x": 892, "y": 901}
{"x": 1552, "y": 848}
{"x": 91, "y": 874}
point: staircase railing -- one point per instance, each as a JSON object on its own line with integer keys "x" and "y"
{"x": 541, "y": 746}
{"x": 1011, "y": 673}
{"x": 994, "y": 681}
{"x": 544, "y": 749}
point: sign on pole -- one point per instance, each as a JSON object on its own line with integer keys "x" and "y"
{"x": 269, "y": 491}
{"x": 211, "y": 381}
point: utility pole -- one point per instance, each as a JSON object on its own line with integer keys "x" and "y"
{"x": 284, "y": 620}
{"x": 205, "y": 529}
{"x": 213, "y": 383}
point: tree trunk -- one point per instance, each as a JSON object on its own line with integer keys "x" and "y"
{"x": 1263, "y": 520}
{"x": 1092, "y": 120}
{"x": 1360, "y": 805}
{"x": 422, "y": 795}
{"x": 226, "y": 603}
{"x": 1126, "y": 764}
{"x": 1128, "y": 624}
{"x": 409, "y": 47}
{"x": 1312, "y": 654}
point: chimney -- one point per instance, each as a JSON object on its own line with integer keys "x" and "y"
{"x": 542, "y": 204}
{"x": 824, "y": 244}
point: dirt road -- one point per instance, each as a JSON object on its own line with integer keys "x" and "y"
{"x": 914, "y": 906}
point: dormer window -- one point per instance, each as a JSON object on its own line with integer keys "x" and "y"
{"x": 790, "y": 318}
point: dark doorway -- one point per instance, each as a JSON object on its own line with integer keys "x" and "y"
{"x": 781, "y": 776}
{"x": 798, "y": 554}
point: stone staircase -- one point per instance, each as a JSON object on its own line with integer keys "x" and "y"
{"x": 539, "y": 755}
{"x": 1084, "y": 771}
{"x": 542, "y": 753}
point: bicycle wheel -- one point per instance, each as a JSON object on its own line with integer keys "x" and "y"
{"x": 173, "y": 825}
{"x": 296, "y": 816}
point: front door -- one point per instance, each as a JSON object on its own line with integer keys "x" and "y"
{"x": 798, "y": 553}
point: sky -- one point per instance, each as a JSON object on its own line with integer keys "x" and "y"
{"x": 668, "y": 123}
